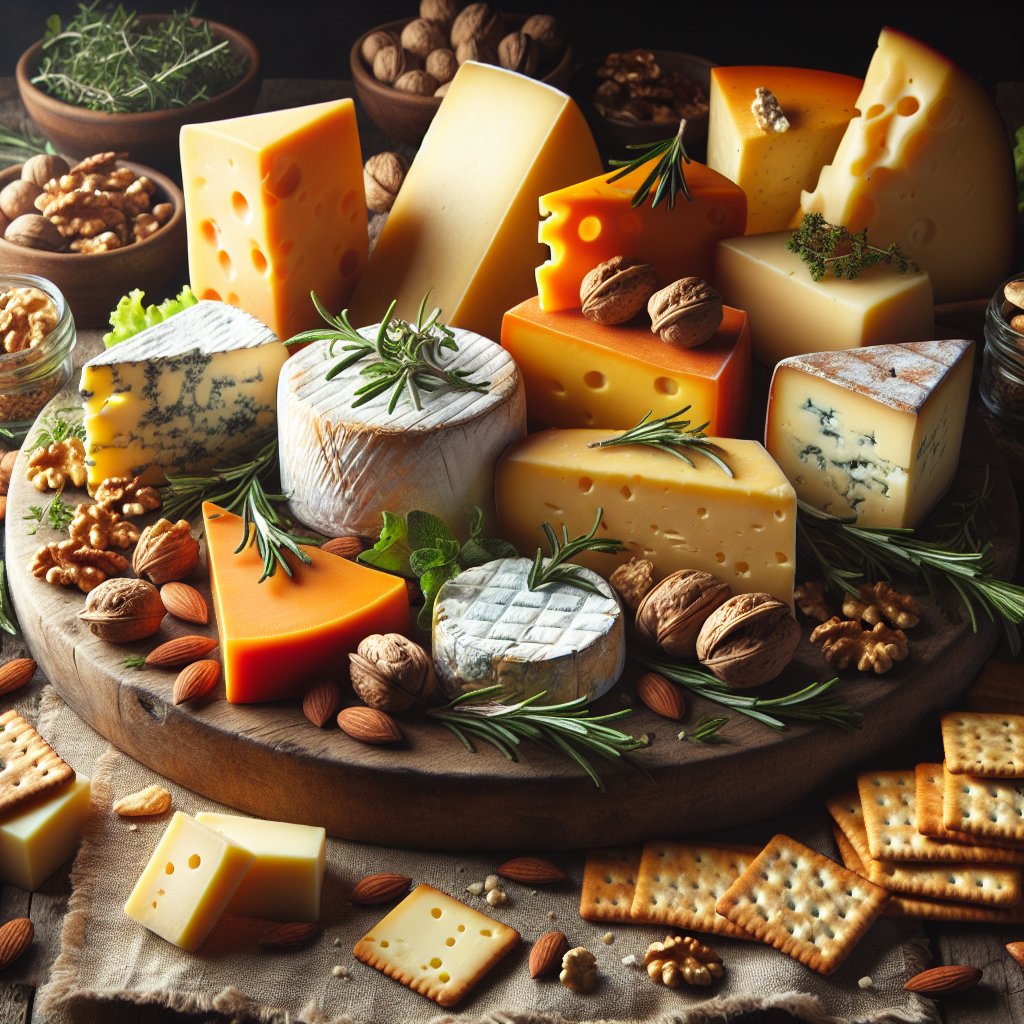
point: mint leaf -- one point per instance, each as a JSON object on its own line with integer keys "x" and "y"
{"x": 430, "y": 583}
{"x": 426, "y": 530}
{"x": 391, "y": 553}
{"x": 473, "y": 554}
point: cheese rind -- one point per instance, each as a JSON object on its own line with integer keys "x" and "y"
{"x": 872, "y": 434}
{"x": 182, "y": 396}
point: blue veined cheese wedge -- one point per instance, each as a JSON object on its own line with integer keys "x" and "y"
{"x": 491, "y": 629}
{"x": 181, "y": 396}
{"x": 871, "y": 434}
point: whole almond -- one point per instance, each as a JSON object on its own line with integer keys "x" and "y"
{"x": 1016, "y": 950}
{"x": 15, "y": 674}
{"x": 321, "y": 701}
{"x": 151, "y": 800}
{"x": 287, "y": 936}
{"x": 185, "y": 603}
{"x": 379, "y": 888}
{"x": 182, "y": 650}
{"x": 532, "y": 871}
{"x": 368, "y": 725}
{"x": 546, "y": 955}
{"x": 343, "y": 547}
{"x": 196, "y": 680}
{"x": 658, "y": 694}
{"x": 7, "y": 462}
{"x": 15, "y": 938}
{"x": 940, "y": 981}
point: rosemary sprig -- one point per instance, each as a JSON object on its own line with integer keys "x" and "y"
{"x": 555, "y": 569}
{"x": 134, "y": 661}
{"x": 57, "y": 430}
{"x": 7, "y": 623}
{"x": 406, "y": 357}
{"x": 828, "y": 247}
{"x": 17, "y": 145}
{"x": 668, "y": 173}
{"x": 262, "y": 523}
{"x": 56, "y": 513}
{"x": 705, "y": 730}
{"x": 671, "y": 435}
{"x": 569, "y": 728}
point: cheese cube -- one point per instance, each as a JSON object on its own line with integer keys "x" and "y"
{"x": 872, "y": 434}
{"x": 275, "y": 209}
{"x": 791, "y": 313}
{"x": 740, "y": 528}
{"x": 464, "y": 225}
{"x": 583, "y": 374}
{"x": 34, "y": 842}
{"x": 287, "y": 875}
{"x": 188, "y": 883}
{"x": 773, "y": 168}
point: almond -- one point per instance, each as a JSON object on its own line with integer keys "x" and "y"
{"x": 15, "y": 674}
{"x": 196, "y": 680}
{"x": 368, "y": 725}
{"x": 380, "y": 888}
{"x": 658, "y": 694}
{"x": 287, "y": 936}
{"x": 7, "y": 463}
{"x": 546, "y": 955}
{"x": 532, "y": 871}
{"x": 343, "y": 547}
{"x": 151, "y": 800}
{"x": 15, "y": 938}
{"x": 185, "y": 603}
{"x": 321, "y": 701}
{"x": 1016, "y": 950}
{"x": 182, "y": 650}
{"x": 940, "y": 981}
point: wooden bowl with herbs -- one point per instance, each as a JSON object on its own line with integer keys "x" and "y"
{"x": 61, "y": 79}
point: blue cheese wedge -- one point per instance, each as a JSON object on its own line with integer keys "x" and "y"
{"x": 491, "y": 629}
{"x": 871, "y": 434}
{"x": 182, "y": 396}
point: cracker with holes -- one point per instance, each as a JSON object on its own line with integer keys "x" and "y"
{"x": 436, "y": 945}
{"x": 678, "y": 884}
{"x": 990, "y": 745}
{"x": 609, "y": 882}
{"x": 987, "y": 808}
{"x": 930, "y": 785}
{"x": 30, "y": 766}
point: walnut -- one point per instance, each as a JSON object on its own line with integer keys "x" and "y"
{"x": 441, "y": 12}
{"x": 442, "y": 64}
{"x": 58, "y": 465}
{"x": 673, "y": 612}
{"x": 27, "y": 316}
{"x": 421, "y": 36}
{"x": 546, "y": 32}
{"x": 682, "y": 958}
{"x": 617, "y": 289}
{"x": 632, "y": 581}
{"x": 376, "y": 41}
{"x": 34, "y": 232}
{"x": 98, "y": 163}
{"x": 478, "y": 22}
{"x": 389, "y": 63}
{"x": 143, "y": 225}
{"x": 100, "y": 527}
{"x": 67, "y": 563}
{"x": 810, "y": 599}
{"x": 163, "y": 212}
{"x": 123, "y": 610}
{"x": 475, "y": 49}
{"x": 105, "y": 242}
{"x": 125, "y": 495}
{"x": 391, "y": 673}
{"x": 579, "y": 970}
{"x": 419, "y": 83}
{"x": 383, "y": 174}
{"x": 518, "y": 52}
{"x": 166, "y": 552}
{"x": 768, "y": 115}
{"x": 879, "y": 602}
{"x": 18, "y": 197}
{"x": 686, "y": 313}
{"x": 845, "y": 642}
{"x": 43, "y": 167}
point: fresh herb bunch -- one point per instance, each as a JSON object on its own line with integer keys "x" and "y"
{"x": 705, "y": 730}
{"x": 668, "y": 173}
{"x": 105, "y": 59}
{"x": 55, "y": 513}
{"x": 556, "y": 570}
{"x": 832, "y": 248}
{"x": 7, "y": 623}
{"x": 569, "y": 728}
{"x": 406, "y": 356}
{"x": 18, "y": 144}
{"x": 671, "y": 435}
{"x": 58, "y": 429}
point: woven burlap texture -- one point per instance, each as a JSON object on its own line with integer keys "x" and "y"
{"x": 106, "y": 957}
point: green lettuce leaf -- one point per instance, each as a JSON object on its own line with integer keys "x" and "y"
{"x": 130, "y": 316}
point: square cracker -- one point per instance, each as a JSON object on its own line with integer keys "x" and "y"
{"x": 802, "y": 903}
{"x": 986, "y": 808}
{"x": 979, "y": 743}
{"x": 609, "y": 882}
{"x": 678, "y": 884}
{"x": 29, "y": 766}
{"x": 436, "y": 945}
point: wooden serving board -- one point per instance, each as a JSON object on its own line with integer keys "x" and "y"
{"x": 269, "y": 760}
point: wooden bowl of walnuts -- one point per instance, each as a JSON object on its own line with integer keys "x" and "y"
{"x": 62, "y": 222}
{"x": 401, "y": 69}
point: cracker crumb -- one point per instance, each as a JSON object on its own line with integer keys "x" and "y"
{"x": 865, "y": 982}
{"x": 608, "y": 938}
{"x": 475, "y": 888}
{"x": 491, "y": 882}
{"x": 133, "y": 828}
{"x": 629, "y": 960}
{"x": 337, "y": 942}
{"x": 552, "y": 916}
{"x": 497, "y": 897}
{"x": 339, "y": 971}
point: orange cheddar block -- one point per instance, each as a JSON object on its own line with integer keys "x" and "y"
{"x": 582, "y": 374}
{"x": 592, "y": 221}
{"x": 275, "y": 209}
{"x": 278, "y": 636}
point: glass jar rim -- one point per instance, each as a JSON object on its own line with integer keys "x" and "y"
{"x": 10, "y": 361}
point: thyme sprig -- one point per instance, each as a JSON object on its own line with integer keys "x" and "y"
{"x": 668, "y": 173}
{"x": 556, "y": 570}
{"x": 671, "y": 435}
{"x": 7, "y": 623}
{"x": 57, "y": 430}
{"x": 826, "y": 247}
{"x": 56, "y": 513}
{"x": 569, "y": 728}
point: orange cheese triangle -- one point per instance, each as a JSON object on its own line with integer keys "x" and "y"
{"x": 279, "y": 636}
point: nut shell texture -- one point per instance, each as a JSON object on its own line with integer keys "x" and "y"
{"x": 673, "y": 611}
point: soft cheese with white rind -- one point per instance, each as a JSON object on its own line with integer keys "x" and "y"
{"x": 343, "y": 466}
{"x": 182, "y": 396}
{"x": 491, "y": 629}
{"x": 871, "y": 433}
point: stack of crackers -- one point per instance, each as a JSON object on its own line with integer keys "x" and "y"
{"x": 29, "y": 767}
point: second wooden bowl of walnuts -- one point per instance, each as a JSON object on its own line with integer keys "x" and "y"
{"x": 401, "y": 69}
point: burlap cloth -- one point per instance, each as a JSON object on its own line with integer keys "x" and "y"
{"x": 106, "y": 957}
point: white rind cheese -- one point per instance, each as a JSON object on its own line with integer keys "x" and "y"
{"x": 181, "y": 396}
{"x": 872, "y": 434}
{"x": 343, "y": 466}
{"x": 490, "y": 629}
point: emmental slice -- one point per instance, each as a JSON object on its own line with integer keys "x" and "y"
{"x": 279, "y": 636}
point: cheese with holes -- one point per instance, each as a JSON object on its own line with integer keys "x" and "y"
{"x": 591, "y": 221}
{"x": 873, "y": 434}
{"x": 464, "y": 225}
{"x": 773, "y": 168}
{"x": 740, "y": 528}
{"x": 188, "y": 883}
{"x": 343, "y": 466}
{"x": 182, "y": 396}
{"x": 274, "y": 209}
{"x": 491, "y": 629}
{"x": 280, "y": 636}
{"x": 791, "y": 313}
{"x": 583, "y": 374}
{"x": 926, "y": 165}
{"x": 287, "y": 875}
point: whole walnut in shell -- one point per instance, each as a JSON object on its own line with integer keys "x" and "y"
{"x": 391, "y": 673}
{"x": 417, "y": 82}
{"x": 442, "y": 64}
{"x": 421, "y": 37}
{"x": 166, "y": 552}
{"x": 375, "y": 42}
{"x": 390, "y": 63}
{"x": 518, "y": 52}
{"x": 479, "y": 22}
{"x": 673, "y": 612}
{"x": 442, "y": 12}
{"x": 122, "y": 610}
{"x": 546, "y": 32}
{"x": 383, "y": 174}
